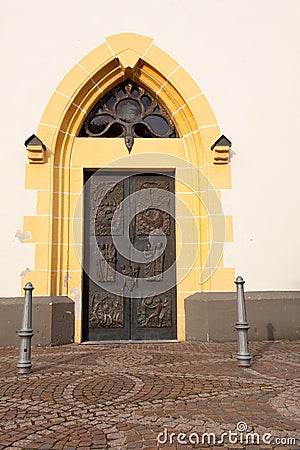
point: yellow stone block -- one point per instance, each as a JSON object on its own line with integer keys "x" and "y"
{"x": 199, "y": 149}
{"x": 128, "y": 58}
{"x": 62, "y": 141}
{"x": 229, "y": 229}
{"x": 46, "y": 134}
{"x": 187, "y": 279}
{"x": 187, "y": 258}
{"x": 180, "y": 303}
{"x": 39, "y": 227}
{"x": 75, "y": 285}
{"x": 184, "y": 201}
{"x": 58, "y": 282}
{"x": 75, "y": 78}
{"x": 78, "y": 331}
{"x": 60, "y": 205}
{"x": 122, "y": 41}
{"x": 60, "y": 257}
{"x": 61, "y": 179}
{"x": 42, "y": 258}
{"x": 218, "y": 228}
{"x": 73, "y": 119}
{"x": 44, "y": 202}
{"x": 205, "y": 229}
{"x": 210, "y": 201}
{"x": 60, "y": 230}
{"x": 170, "y": 98}
{"x": 109, "y": 76}
{"x": 76, "y": 180}
{"x": 161, "y": 147}
{"x": 220, "y": 176}
{"x": 189, "y": 228}
{"x": 75, "y": 257}
{"x": 96, "y": 153}
{"x": 210, "y": 204}
{"x": 184, "y": 185}
{"x": 202, "y": 112}
{"x": 76, "y": 205}
{"x": 181, "y": 328}
{"x": 185, "y": 84}
{"x": 146, "y": 153}
{"x": 96, "y": 58}
{"x": 188, "y": 283}
{"x": 222, "y": 280}
{"x": 39, "y": 280}
{"x": 55, "y": 109}
{"x": 188, "y": 176}
{"x": 204, "y": 252}
{"x": 186, "y": 124}
{"x": 154, "y": 84}
{"x": 38, "y": 176}
{"x": 211, "y": 255}
{"x": 160, "y": 60}
{"x": 209, "y": 135}
{"x": 195, "y": 152}
{"x": 76, "y": 232}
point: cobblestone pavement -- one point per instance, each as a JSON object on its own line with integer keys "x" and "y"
{"x": 123, "y": 396}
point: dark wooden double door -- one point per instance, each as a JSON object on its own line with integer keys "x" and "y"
{"x": 129, "y": 280}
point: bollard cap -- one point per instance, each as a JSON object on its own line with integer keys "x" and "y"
{"x": 28, "y": 286}
{"x": 239, "y": 280}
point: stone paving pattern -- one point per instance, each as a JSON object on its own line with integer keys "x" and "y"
{"x": 121, "y": 396}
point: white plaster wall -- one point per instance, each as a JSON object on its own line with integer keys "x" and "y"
{"x": 245, "y": 57}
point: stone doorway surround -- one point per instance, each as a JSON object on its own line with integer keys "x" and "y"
{"x": 56, "y": 168}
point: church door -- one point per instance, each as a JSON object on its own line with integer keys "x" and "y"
{"x": 129, "y": 279}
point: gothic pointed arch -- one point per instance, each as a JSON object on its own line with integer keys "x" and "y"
{"x": 59, "y": 179}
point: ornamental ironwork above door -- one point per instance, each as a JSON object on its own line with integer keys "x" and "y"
{"x": 128, "y": 111}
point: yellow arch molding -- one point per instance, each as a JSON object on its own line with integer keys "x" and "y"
{"x": 129, "y": 55}
{"x": 122, "y": 56}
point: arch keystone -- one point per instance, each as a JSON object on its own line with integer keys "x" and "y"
{"x": 132, "y": 41}
{"x": 128, "y": 58}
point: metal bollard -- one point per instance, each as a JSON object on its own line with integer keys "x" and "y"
{"x": 243, "y": 356}
{"x": 26, "y": 333}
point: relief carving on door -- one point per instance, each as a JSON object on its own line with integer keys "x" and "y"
{"x": 106, "y": 197}
{"x": 155, "y": 311}
{"x": 155, "y": 195}
{"x": 130, "y": 283}
{"x": 105, "y": 310}
{"x": 106, "y": 261}
{"x": 130, "y": 275}
{"x": 154, "y": 256}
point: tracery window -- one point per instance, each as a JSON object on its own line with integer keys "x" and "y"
{"x": 128, "y": 111}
